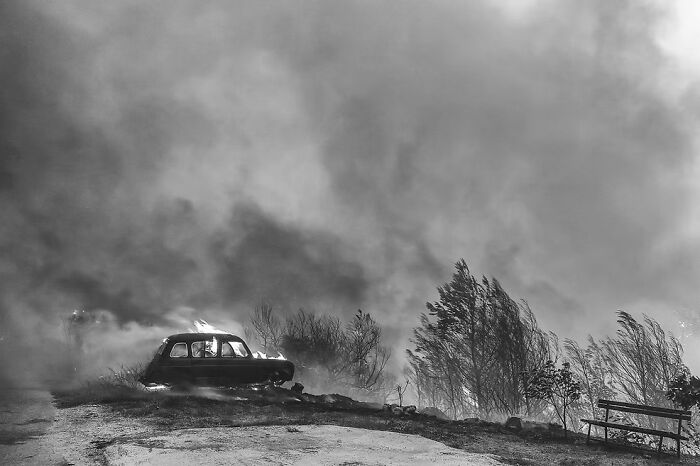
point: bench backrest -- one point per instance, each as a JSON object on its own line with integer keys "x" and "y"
{"x": 657, "y": 411}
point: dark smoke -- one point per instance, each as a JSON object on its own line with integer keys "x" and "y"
{"x": 185, "y": 155}
{"x": 259, "y": 257}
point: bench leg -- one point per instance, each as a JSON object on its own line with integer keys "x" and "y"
{"x": 678, "y": 447}
{"x": 606, "y": 435}
{"x": 588, "y": 439}
{"x": 661, "y": 441}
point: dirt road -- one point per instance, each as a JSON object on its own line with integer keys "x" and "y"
{"x": 33, "y": 431}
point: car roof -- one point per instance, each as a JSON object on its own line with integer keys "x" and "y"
{"x": 202, "y": 336}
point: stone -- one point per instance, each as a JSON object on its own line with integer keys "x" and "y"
{"x": 435, "y": 412}
{"x": 513, "y": 423}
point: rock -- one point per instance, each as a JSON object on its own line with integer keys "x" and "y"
{"x": 297, "y": 388}
{"x": 410, "y": 409}
{"x": 513, "y": 423}
{"x": 471, "y": 420}
{"x": 435, "y": 412}
{"x": 390, "y": 406}
{"x": 397, "y": 410}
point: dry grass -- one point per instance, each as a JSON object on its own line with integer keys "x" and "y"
{"x": 116, "y": 386}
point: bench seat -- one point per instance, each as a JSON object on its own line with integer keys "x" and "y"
{"x": 646, "y": 410}
{"x": 643, "y": 430}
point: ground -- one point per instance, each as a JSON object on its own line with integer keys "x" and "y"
{"x": 271, "y": 426}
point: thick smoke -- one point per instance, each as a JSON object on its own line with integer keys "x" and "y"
{"x": 167, "y": 155}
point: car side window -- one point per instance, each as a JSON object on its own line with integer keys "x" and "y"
{"x": 204, "y": 349}
{"x": 227, "y": 350}
{"x": 179, "y": 350}
{"x": 197, "y": 349}
{"x": 233, "y": 349}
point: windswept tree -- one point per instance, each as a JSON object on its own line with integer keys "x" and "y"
{"x": 638, "y": 365}
{"x": 473, "y": 346}
{"x": 643, "y": 359}
{"x": 591, "y": 370}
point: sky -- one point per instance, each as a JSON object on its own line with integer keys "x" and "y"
{"x": 171, "y": 160}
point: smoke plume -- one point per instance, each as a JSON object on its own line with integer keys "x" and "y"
{"x": 178, "y": 155}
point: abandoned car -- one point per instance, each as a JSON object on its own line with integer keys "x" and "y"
{"x": 212, "y": 359}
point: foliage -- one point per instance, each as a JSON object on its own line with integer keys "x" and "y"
{"x": 471, "y": 357}
{"x": 592, "y": 372}
{"x": 559, "y": 387}
{"x": 643, "y": 359}
{"x": 365, "y": 357}
{"x": 684, "y": 391}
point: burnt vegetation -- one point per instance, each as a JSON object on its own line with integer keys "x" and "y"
{"x": 328, "y": 354}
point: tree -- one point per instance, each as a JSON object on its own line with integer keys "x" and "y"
{"x": 643, "y": 360}
{"x": 473, "y": 346}
{"x": 591, "y": 370}
{"x": 558, "y": 387}
{"x": 267, "y": 326}
{"x": 638, "y": 365}
{"x": 365, "y": 357}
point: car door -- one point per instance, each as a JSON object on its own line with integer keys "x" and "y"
{"x": 237, "y": 363}
{"x": 205, "y": 363}
{"x": 175, "y": 364}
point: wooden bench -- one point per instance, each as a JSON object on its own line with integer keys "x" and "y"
{"x": 654, "y": 411}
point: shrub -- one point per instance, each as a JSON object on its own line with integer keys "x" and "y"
{"x": 684, "y": 391}
{"x": 556, "y": 386}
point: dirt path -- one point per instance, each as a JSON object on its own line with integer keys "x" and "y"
{"x": 288, "y": 445}
{"x": 94, "y": 434}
